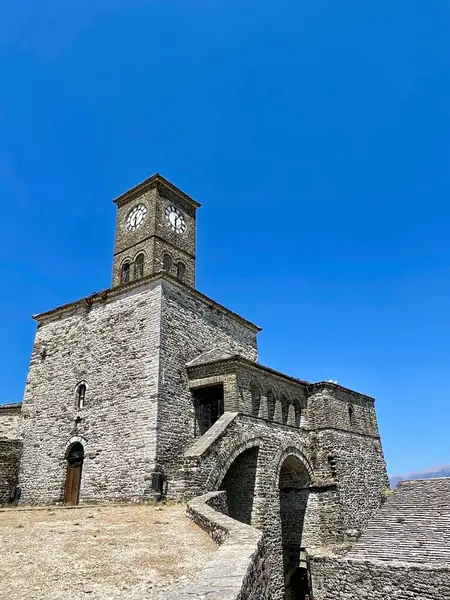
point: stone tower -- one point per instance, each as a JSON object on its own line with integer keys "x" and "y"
{"x": 156, "y": 231}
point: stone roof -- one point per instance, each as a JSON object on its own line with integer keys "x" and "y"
{"x": 413, "y": 525}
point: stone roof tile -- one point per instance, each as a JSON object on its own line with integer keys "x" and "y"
{"x": 413, "y": 525}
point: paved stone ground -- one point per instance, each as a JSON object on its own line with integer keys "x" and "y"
{"x": 99, "y": 553}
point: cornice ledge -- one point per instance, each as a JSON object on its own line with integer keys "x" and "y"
{"x": 238, "y": 359}
{"x": 110, "y": 293}
{"x": 314, "y": 387}
{"x": 151, "y": 183}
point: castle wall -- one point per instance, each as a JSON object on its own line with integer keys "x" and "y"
{"x": 369, "y": 580}
{"x": 113, "y": 347}
{"x": 10, "y": 420}
{"x": 348, "y": 451}
{"x": 10, "y": 448}
{"x": 10, "y": 453}
{"x": 190, "y": 326}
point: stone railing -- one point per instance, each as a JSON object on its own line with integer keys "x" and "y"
{"x": 237, "y": 570}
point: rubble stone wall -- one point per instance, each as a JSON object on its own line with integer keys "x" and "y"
{"x": 10, "y": 453}
{"x": 190, "y": 326}
{"x": 112, "y": 347}
{"x": 369, "y": 580}
{"x": 10, "y": 421}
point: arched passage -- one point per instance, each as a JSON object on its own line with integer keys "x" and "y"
{"x": 239, "y": 484}
{"x": 75, "y": 458}
{"x": 294, "y": 491}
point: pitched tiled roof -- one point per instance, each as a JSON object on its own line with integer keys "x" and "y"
{"x": 413, "y": 525}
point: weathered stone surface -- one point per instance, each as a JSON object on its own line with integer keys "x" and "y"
{"x": 10, "y": 421}
{"x": 238, "y": 569}
{"x": 353, "y": 579}
{"x": 403, "y": 553}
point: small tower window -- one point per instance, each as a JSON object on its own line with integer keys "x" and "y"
{"x": 181, "y": 271}
{"x": 139, "y": 266}
{"x": 81, "y": 395}
{"x": 167, "y": 263}
{"x": 125, "y": 276}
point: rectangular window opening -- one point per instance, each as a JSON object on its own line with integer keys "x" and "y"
{"x": 209, "y": 407}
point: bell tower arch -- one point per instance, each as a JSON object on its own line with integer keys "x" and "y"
{"x": 155, "y": 232}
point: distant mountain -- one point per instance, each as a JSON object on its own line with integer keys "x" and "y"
{"x": 432, "y": 473}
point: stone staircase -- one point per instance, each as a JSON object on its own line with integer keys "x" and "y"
{"x": 413, "y": 526}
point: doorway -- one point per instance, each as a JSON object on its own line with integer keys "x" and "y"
{"x": 75, "y": 459}
{"x": 298, "y": 587}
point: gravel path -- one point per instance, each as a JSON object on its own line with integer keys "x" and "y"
{"x": 99, "y": 553}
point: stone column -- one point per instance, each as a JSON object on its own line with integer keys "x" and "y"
{"x": 291, "y": 416}
{"x": 263, "y": 408}
{"x": 278, "y": 415}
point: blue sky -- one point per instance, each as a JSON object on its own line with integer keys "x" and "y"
{"x": 316, "y": 136}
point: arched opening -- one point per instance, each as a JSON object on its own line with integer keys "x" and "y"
{"x": 125, "y": 275}
{"x": 139, "y": 266}
{"x": 167, "y": 263}
{"x": 284, "y": 409}
{"x": 239, "y": 484}
{"x": 256, "y": 394}
{"x": 294, "y": 491}
{"x": 270, "y": 405}
{"x": 75, "y": 458}
{"x": 181, "y": 271}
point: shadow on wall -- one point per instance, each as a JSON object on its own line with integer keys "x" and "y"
{"x": 294, "y": 492}
{"x": 239, "y": 484}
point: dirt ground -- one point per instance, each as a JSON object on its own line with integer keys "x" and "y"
{"x": 92, "y": 553}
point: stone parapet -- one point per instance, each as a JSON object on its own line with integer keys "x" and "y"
{"x": 237, "y": 571}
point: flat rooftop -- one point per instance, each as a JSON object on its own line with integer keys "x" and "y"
{"x": 131, "y": 552}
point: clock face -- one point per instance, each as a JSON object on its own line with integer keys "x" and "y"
{"x": 136, "y": 217}
{"x": 175, "y": 219}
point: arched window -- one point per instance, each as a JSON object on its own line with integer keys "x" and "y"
{"x": 126, "y": 268}
{"x": 139, "y": 266}
{"x": 351, "y": 414}
{"x": 284, "y": 409}
{"x": 81, "y": 395}
{"x": 256, "y": 398}
{"x": 167, "y": 263}
{"x": 181, "y": 271}
{"x": 270, "y": 404}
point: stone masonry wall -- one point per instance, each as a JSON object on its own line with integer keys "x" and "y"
{"x": 10, "y": 421}
{"x": 342, "y": 495}
{"x": 10, "y": 453}
{"x": 10, "y": 448}
{"x": 113, "y": 347}
{"x": 370, "y": 580}
{"x": 238, "y": 568}
{"x": 190, "y": 326}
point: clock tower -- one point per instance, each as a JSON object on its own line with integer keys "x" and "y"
{"x": 155, "y": 232}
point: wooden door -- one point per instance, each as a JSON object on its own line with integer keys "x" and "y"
{"x": 73, "y": 477}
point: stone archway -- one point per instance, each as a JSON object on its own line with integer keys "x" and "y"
{"x": 239, "y": 485}
{"x": 293, "y": 489}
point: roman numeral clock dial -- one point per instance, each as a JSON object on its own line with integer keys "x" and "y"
{"x": 175, "y": 219}
{"x": 136, "y": 218}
